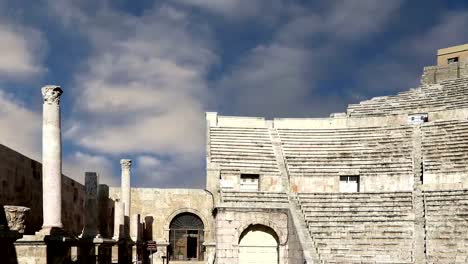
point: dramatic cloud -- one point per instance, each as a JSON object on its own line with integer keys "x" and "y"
{"x": 183, "y": 172}
{"x": 281, "y": 78}
{"x": 76, "y": 164}
{"x": 21, "y": 51}
{"x": 143, "y": 89}
{"x": 400, "y": 66}
{"x": 241, "y": 9}
{"x": 139, "y": 77}
{"x": 20, "y": 127}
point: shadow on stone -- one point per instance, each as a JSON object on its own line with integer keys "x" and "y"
{"x": 9, "y": 217}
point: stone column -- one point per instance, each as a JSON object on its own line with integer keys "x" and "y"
{"x": 135, "y": 228}
{"x": 90, "y": 229}
{"x": 135, "y": 235}
{"x": 51, "y": 159}
{"x": 126, "y": 164}
{"x": 119, "y": 219}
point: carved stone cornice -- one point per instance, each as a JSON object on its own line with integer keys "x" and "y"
{"x": 126, "y": 163}
{"x": 51, "y": 94}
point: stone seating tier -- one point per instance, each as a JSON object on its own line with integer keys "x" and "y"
{"x": 445, "y": 148}
{"x": 446, "y": 95}
{"x": 327, "y": 152}
{"x": 360, "y": 227}
{"x": 447, "y": 226}
{"x": 254, "y": 199}
{"x": 243, "y": 149}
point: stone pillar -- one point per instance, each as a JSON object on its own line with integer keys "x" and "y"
{"x": 51, "y": 159}
{"x": 119, "y": 220}
{"x": 90, "y": 229}
{"x": 126, "y": 164}
{"x": 135, "y": 228}
{"x": 135, "y": 236}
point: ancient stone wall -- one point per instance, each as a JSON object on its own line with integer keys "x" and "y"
{"x": 295, "y": 250}
{"x": 21, "y": 184}
{"x": 436, "y": 74}
{"x": 157, "y": 208}
{"x": 230, "y": 223}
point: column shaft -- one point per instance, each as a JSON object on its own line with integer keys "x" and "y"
{"x": 126, "y": 166}
{"x": 51, "y": 158}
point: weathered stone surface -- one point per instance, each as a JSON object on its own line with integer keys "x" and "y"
{"x": 51, "y": 158}
{"x": 90, "y": 229}
{"x": 16, "y": 217}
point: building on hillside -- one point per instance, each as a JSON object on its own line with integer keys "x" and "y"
{"x": 385, "y": 182}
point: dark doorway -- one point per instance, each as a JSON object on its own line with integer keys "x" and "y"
{"x": 192, "y": 247}
{"x": 186, "y": 237}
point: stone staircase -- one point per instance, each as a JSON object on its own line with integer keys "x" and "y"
{"x": 447, "y": 226}
{"x": 360, "y": 227}
{"x": 446, "y": 95}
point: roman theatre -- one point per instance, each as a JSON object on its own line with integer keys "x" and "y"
{"x": 384, "y": 182}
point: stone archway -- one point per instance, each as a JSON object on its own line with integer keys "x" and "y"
{"x": 258, "y": 244}
{"x": 186, "y": 237}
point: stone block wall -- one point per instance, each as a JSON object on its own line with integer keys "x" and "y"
{"x": 436, "y": 74}
{"x": 230, "y": 223}
{"x": 21, "y": 184}
{"x": 295, "y": 250}
{"x": 157, "y": 208}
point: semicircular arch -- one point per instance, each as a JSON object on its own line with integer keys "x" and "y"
{"x": 281, "y": 236}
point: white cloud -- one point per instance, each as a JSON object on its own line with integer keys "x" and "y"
{"x": 181, "y": 171}
{"x": 21, "y": 51}
{"x": 280, "y": 77}
{"x": 76, "y": 164}
{"x": 20, "y": 127}
{"x": 399, "y": 67}
{"x": 354, "y": 19}
{"x": 143, "y": 89}
{"x": 241, "y": 9}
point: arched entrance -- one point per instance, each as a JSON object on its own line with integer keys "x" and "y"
{"x": 186, "y": 237}
{"x": 258, "y": 244}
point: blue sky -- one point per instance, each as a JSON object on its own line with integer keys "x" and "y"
{"x": 138, "y": 75}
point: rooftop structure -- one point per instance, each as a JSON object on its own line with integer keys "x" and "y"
{"x": 452, "y": 54}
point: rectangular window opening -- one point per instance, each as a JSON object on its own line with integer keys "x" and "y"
{"x": 349, "y": 183}
{"x": 452, "y": 60}
{"x": 249, "y": 182}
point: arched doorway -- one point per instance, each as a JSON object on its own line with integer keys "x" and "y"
{"x": 186, "y": 237}
{"x": 258, "y": 244}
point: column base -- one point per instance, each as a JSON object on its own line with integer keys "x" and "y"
{"x": 51, "y": 231}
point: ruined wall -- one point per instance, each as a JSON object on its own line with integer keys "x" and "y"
{"x": 157, "y": 207}
{"x": 21, "y": 184}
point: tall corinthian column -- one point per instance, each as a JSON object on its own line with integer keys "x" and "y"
{"x": 51, "y": 158}
{"x": 126, "y": 165}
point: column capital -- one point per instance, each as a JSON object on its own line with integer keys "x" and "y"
{"x": 51, "y": 94}
{"x": 126, "y": 163}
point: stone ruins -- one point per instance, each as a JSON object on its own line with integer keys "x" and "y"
{"x": 385, "y": 182}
